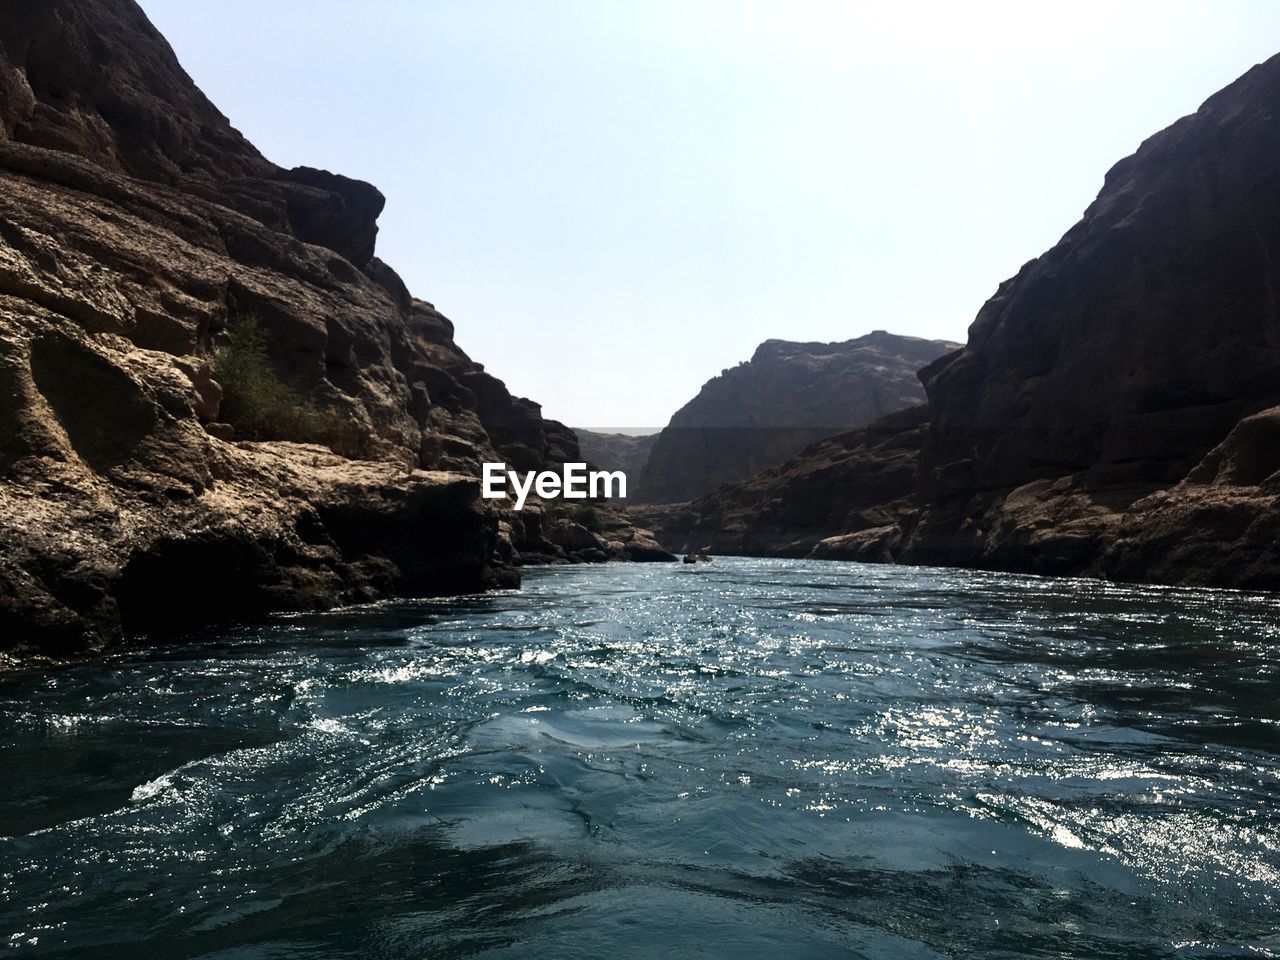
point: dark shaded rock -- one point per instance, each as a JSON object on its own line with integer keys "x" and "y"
{"x": 1115, "y": 412}
{"x": 549, "y": 533}
{"x": 101, "y": 409}
{"x": 789, "y": 395}
{"x": 94, "y": 78}
{"x": 854, "y": 482}
{"x": 571, "y": 536}
{"x": 1218, "y": 527}
{"x": 644, "y": 548}
{"x": 334, "y": 211}
{"x": 1109, "y": 367}
{"x": 462, "y": 402}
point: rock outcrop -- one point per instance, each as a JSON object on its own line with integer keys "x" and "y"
{"x": 559, "y": 532}
{"x": 1116, "y": 410}
{"x": 787, "y": 396}
{"x": 137, "y": 229}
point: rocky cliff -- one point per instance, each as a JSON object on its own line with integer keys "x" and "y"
{"x": 787, "y": 396}
{"x": 215, "y": 401}
{"x": 1111, "y": 366}
{"x": 1117, "y": 407}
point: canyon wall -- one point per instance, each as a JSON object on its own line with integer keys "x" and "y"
{"x": 143, "y": 241}
{"x": 1116, "y": 409}
{"x": 1102, "y": 412}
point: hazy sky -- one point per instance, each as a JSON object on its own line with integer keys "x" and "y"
{"x": 615, "y": 199}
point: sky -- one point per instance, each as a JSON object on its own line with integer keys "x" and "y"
{"x": 615, "y": 200}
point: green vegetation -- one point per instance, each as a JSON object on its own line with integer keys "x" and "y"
{"x": 588, "y": 516}
{"x": 583, "y": 514}
{"x": 256, "y": 400}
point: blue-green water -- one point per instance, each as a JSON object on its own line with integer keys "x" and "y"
{"x": 767, "y": 759}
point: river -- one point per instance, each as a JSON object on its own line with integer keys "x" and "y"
{"x": 744, "y": 759}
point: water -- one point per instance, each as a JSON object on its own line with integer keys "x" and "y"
{"x": 748, "y": 759}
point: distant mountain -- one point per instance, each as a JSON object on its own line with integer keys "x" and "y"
{"x": 857, "y": 481}
{"x": 616, "y": 451}
{"x": 787, "y": 396}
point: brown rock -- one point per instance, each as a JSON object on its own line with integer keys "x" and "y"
{"x": 134, "y": 223}
{"x": 1108, "y": 368}
{"x": 572, "y": 536}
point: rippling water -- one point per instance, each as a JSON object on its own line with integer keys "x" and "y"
{"x": 747, "y": 759}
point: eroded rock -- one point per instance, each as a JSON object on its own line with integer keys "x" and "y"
{"x": 135, "y": 225}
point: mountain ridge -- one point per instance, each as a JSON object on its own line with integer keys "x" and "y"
{"x": 788, "y": 395}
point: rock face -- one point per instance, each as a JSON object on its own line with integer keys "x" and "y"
{"x": 1112, "y": 365}
{"x": 859, "y": 483}
{"x": 137, "y": 227}
{"x": 1116, "y": 410}
{"x": 787, "y": 396}
{"x": 616, "y": 451}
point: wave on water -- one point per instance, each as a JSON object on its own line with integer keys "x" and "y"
{"x": 756, "y": 758}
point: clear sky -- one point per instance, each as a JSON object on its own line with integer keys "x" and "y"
{"x": 614, "y": 199}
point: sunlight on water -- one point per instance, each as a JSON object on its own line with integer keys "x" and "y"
{"x": 746, "y": 759}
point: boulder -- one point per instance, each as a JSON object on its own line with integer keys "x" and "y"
{"x": 571, "y": 536}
